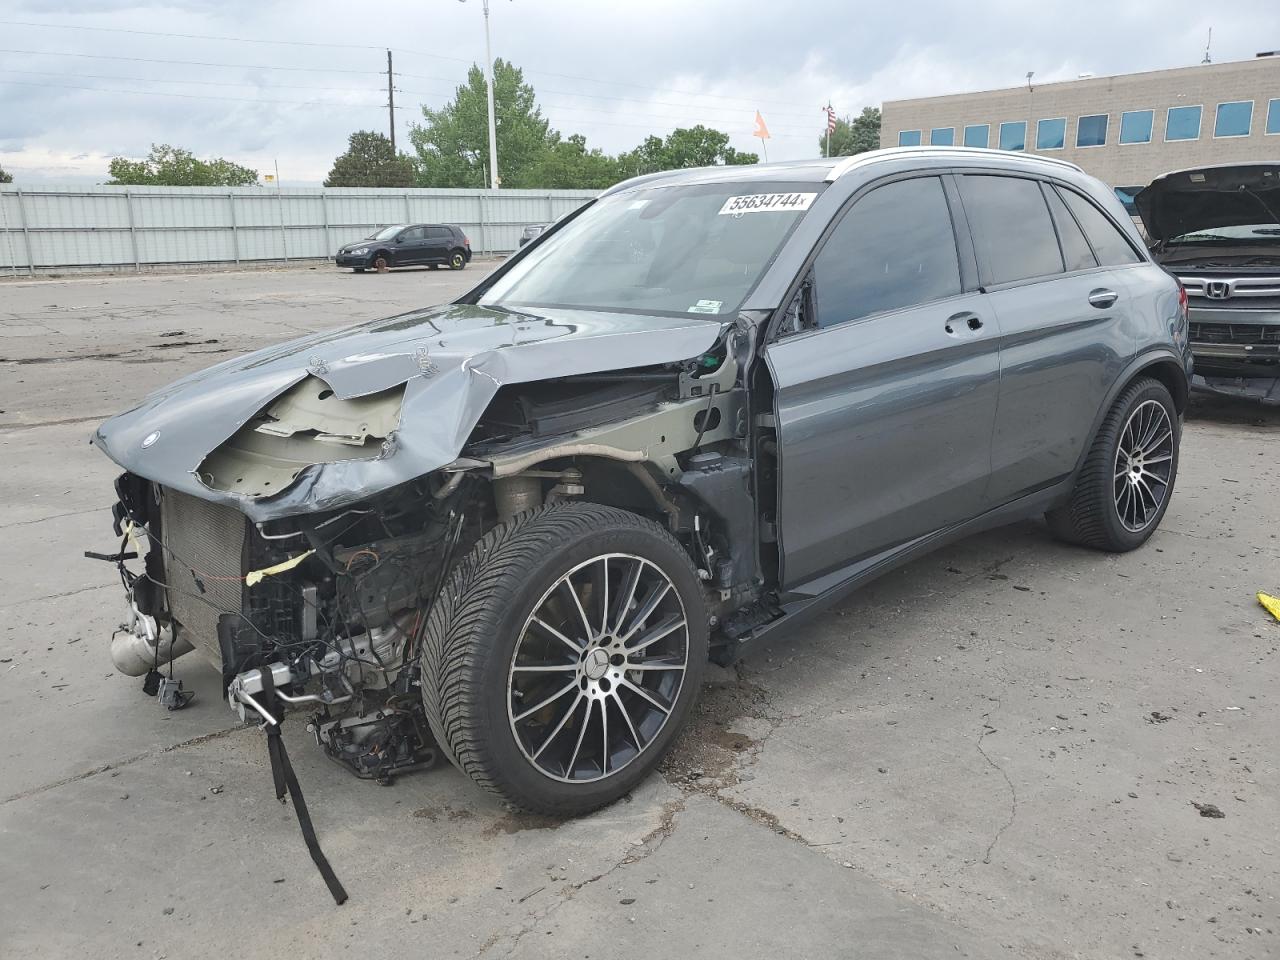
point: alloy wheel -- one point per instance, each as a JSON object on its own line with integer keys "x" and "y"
{"x": 598, "y": 668}
{"x": 1143, "y": 465}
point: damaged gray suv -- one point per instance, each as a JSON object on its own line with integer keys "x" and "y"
{"x": 511, "y": 530}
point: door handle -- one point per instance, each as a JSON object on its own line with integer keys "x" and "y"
{"x": 957, "y": 323}
{"x": 1102, "y": 298}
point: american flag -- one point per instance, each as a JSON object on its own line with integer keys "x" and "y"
{"x": 831, "y": 118}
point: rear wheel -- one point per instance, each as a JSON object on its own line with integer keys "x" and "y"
{"x": 564, "y": 655}
{"x": 456, "y": 260}
{"x": 1124, "y": 487}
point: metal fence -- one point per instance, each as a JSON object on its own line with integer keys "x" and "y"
{"x": 101, "y": 227}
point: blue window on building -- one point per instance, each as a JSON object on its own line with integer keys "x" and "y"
{"x": 1126, "y": 196}
{"x": 942, "y": 136}
{"x": 1091, "y": 131}
{"x": 1234, "y": 119}
{"x": 1135, "y": 126}
{"x": 1013, "y": 135}
{"x": 1183, "y": 123}
{"x": 977, "y": 135}
{"x": 908, "y": 138}
{"x": 1273, "y": 116}
{"x": 1051, "y": 134}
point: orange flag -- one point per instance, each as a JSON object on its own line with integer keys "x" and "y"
{"x": 762, "y": 132}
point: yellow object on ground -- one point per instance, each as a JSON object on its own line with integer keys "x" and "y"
{"x": 1271, "y": 603}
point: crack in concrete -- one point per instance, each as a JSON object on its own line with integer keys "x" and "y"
{"x": 1013, "y": 794}
{"x": 14, "y": 425}
{"x": 53, "y": 516}
{"x": 119, "y": 764}
{"x": 650, "y": 844}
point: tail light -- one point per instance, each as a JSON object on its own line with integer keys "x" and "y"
{"x": 1182, "y": 301}
{"x": 466, "y": 242}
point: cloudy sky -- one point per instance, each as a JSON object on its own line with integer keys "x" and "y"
{"x": 615, "y": 70}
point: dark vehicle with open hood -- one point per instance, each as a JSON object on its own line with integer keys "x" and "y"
{"x": 407, "y": 245}
{"x": 1217, "y": 229}
{"x": 512, "y": 529}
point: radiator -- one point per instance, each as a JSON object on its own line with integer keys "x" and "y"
{"x": 203, "y": 564}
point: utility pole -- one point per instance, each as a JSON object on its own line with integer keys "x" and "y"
{"x": 494, "y": 180}
{"x": 391, "y": 103}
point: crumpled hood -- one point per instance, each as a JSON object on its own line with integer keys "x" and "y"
{"x": 1208, "y": 197}
{"x": 451, "y": 360}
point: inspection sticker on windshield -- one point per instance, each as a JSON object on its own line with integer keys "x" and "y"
{"x": 706, "y": 306}
{"x": 765, "y": 202}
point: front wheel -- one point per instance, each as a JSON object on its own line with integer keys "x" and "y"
{"x": 456, "y": 260}
{"x": 564, "y": 655}
{"x": 381, "y": 262}
{"x": 1124, "y": 487}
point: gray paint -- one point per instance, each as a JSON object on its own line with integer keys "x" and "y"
{"x": 452, "y": 360}
{"x": 890, "y": 430}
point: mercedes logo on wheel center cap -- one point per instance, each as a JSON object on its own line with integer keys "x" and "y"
{"x": 597, "y": 664}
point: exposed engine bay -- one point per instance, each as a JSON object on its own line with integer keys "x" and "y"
{"x": 324, "y": 612}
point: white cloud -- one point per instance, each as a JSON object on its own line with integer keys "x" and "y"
{"x": 651, "y": 66}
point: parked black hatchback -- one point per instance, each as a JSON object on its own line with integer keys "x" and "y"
{"x": 405, "y": 245}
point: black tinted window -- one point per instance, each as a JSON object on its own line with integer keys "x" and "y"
{"x": 413, "y": 233}
{"x": 1108, "y": 242}
{"x": 893, "y": 249}
{"x": 1075, "y": 249}
{"x": 438, "y": 233}
{"x": 1011, "y": 227}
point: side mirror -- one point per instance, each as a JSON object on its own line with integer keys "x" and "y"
{"x": 399, "y": 239}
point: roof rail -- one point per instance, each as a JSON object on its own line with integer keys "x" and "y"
{"x": 893, "y": 153}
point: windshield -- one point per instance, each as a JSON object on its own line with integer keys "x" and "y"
{"x": 1246, "y": 233}
{"x": 386, "y": 233}
{"x": 697, "y": 249}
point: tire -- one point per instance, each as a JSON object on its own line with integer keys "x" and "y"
{"x": 1119, "y": 500}
{"x": 381, "y": 261}
{"x": 457, "y": 260}
{"x": 481, "y": 639}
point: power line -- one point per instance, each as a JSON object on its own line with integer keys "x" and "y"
{"x": 205, "y": 83}
{"x": 313, "y": 103}
{"x": 596, "y": 96}
{"x": 357, "y": 46}
{"x": 196, "y": 96}
{"x": 187, "y": 36}
{"x": 187, "y": 63}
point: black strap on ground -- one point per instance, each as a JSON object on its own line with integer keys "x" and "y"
{"x": 283, "y": 775}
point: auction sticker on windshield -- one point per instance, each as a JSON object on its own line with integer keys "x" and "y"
{"x": 766, "y": 202}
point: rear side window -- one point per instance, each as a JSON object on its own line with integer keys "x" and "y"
{"x": 894, "y": 248}
{"x": 1075, "y": 248}
{"x": 1011, "y": 228}
{"x": 1104, "y": 236}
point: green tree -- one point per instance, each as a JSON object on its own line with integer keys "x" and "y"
{"x": 452, "y": 143}
{"x": 371, "y": 161}
{"x": 174, "y": 167}
{"x": 569, "y": 165}
{"x": 684, "y": 147}
{"x": 854, "y": 134}
{"x": 5, "y": 177}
